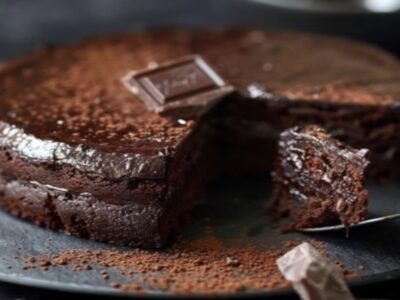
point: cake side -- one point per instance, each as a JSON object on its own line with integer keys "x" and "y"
{"x": 137, "y": 224}
{"x": 86, "y": 204}
{"x": 319, "y": 180}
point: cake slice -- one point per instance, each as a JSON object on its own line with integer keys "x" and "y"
{"x": 319, "y": 180}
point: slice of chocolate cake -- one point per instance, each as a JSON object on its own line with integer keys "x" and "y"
{"x": 319, "y": 180}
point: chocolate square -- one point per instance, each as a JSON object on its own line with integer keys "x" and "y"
{"x": 179, "y": 87}
{"x": 312, "y": 275}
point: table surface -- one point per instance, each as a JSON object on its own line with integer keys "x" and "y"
{"x": 26, "y": 25}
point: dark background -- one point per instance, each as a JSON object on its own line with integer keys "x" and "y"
{"x": 28, "y": 24}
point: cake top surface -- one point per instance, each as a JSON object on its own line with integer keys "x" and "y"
{"x": 74, "y": 94}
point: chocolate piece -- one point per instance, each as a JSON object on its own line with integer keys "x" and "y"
{"x": 313, "y": 276}
{"x": 181, "y": 87}
{"x": 318, "y": 179}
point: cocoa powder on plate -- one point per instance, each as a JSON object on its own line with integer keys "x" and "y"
{"x": 202, "y": 266}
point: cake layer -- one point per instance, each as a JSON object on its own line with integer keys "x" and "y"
{"x": 134, "y": 223}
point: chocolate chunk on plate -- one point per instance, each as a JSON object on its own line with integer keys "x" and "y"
{"x": 319, "y": 180}
{"x": 313, "y": 276}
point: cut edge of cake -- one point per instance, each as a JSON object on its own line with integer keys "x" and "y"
{"x": 318, "y": 180}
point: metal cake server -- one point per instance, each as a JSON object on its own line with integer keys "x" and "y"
{"x": 341, "y": 226}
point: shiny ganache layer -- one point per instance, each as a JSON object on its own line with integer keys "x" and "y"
{"x": 70, "y": 102}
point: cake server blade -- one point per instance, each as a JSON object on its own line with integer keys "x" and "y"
{"x": 341, "y": 226}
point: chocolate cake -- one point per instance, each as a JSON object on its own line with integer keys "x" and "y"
{"x": 319, "y": 180}
{"x": 82, "y": 151}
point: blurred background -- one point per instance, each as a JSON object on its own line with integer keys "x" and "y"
{"x": 28, "y": 24}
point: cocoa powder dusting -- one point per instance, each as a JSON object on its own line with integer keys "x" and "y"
{"x": 203, "y": 266}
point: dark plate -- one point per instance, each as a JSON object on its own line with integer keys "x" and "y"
{"x": 234, "y": 211}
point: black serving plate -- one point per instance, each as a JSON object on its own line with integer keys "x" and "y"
{"x": 233, "y": 211}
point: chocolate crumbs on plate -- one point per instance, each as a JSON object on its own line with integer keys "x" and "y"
{"x": 202, "y": 266}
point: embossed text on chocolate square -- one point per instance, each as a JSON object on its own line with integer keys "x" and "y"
{"x": 188, "y": 82}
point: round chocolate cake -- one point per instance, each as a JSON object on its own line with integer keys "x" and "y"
{"x": 84, "y": 152}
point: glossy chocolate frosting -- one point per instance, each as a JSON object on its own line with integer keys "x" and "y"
{"x": 67, "y": 105}
{"x": 83, "y": 158}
